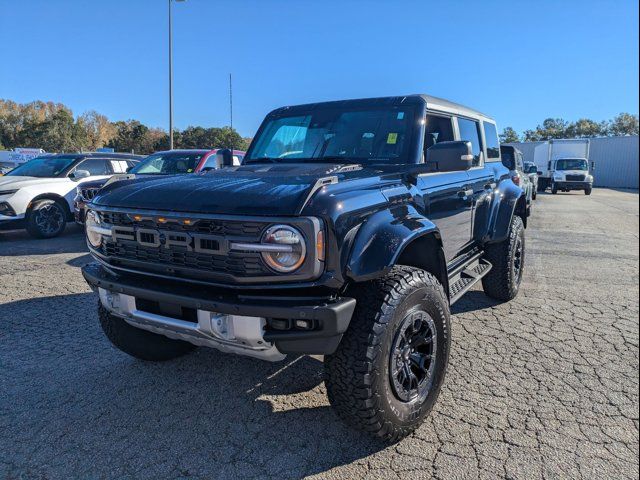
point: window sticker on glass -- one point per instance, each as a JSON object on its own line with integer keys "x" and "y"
{"x": 400, "y": 115}
{"x": 392, "y": 138}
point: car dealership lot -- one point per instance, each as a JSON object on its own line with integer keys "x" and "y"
{"x": 546, "y": 385}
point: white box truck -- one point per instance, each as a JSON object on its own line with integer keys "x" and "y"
{"x": 563, "y": 165}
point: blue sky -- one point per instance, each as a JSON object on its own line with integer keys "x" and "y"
{"x": 519, "y": 62}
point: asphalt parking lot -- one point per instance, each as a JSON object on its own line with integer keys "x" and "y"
{"x": 543, "y": 387}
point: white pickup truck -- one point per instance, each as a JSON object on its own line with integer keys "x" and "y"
{"x": 38, "y": 195}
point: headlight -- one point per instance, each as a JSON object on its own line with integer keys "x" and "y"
{"x": 289, "y": 249}
{"x": 558, "y": 176}
{"x": 91, "y": 222}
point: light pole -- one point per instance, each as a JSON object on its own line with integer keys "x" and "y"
{"x": 171, "y": 75}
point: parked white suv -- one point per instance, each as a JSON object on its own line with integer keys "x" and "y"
{"x": 38, "y": 195}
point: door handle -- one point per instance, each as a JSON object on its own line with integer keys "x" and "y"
{"x": 490, "y": 186}
{"x": 465, "y": 193}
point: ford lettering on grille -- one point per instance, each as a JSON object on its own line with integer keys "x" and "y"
{"x": 153, "y": 238}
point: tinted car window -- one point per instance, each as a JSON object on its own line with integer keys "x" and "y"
{"x": 469, "y": 131}
{"x": 436, "y": 130}
{"x": 95, "y": 166}
{"x": 491, "y": 137}
{"x": 170, "y": 163}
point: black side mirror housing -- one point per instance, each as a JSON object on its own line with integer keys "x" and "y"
{"x": 451, "y": 156}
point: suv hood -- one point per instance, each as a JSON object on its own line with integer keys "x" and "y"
{"x": 12, "y": 182}
{"x": 278, "y": 189}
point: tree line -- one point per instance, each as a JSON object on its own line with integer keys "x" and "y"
{"x": 53, "y": 127}
{"x": 622, "y": 124}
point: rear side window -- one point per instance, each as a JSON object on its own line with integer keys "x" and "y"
{"x": 470, "y": 131}
{"x": 491, "y": 138}
{"x": 95, "y": 166}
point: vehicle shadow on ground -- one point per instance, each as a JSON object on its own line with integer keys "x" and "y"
{"x": 19, "y": 242}
{"x": 473, "y": 300}
{"x": 206, "y": 414}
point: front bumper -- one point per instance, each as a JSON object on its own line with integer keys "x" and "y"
{"x": 327, "y": 318}
{"x": 11, "y": 222}
{"x": 573, "y": 185}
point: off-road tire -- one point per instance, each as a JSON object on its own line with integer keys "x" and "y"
{"x": 503, "y": 280}
{"x": 57, "y": 208}
{"x": 588, "y": 191}
{"x": 357, "y": 375}
{"x": 140, "y": 343}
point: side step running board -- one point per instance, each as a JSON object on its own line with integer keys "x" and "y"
{"x": 463, "y": 279}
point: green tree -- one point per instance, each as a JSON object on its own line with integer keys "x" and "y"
{"x": 58, "y": 133}
{"x": 585, "y": 128}
{"x": 132, "y": 136}
{"x": 623, "y": 124}
{"x": 509, "y": 135}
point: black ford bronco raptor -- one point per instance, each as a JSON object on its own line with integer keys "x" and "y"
{"x": 348, "y": 231}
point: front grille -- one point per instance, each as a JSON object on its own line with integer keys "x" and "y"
{"x": 225, "y": 228}
{"x": 89, "y": 194}
{"x": 177, "y": 258}
{"x": 575, "y": 178}
{"x": 239, "y": 264}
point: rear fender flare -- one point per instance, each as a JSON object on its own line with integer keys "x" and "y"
{"x": 508, "y": 199}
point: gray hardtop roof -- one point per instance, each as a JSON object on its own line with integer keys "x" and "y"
{"x": 442, "y": 105}
{"x": 432, "y": 103}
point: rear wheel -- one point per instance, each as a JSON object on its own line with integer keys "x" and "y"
{"x": 388, "y": 370}
{"x": 507, "y": 257}
{"x": 140, "y": 343}
{"x": 47, "y": 219}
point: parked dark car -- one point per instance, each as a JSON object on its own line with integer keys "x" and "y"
{"x": 170, "y": 162}
{"x": 513, "y": 159}
{"x": 348, "y": 231}
{"x": 531, "y": 170}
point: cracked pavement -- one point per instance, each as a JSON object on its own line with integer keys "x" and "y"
{"x": 543, "y": 387}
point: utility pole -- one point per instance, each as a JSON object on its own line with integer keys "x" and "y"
{"x": 171, "y": 75}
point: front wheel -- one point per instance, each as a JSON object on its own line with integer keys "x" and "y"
{"x": 507, "y": 257}
{"x": 47, "y": 219}
{"x": 554, "y": 188}
{"x": 588, "y": 190}
{"x": 388, "y": 370}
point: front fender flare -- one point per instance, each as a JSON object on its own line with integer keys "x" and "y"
{"x": 381, "y": 240}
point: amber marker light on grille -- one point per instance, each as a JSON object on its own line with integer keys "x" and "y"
{"x": 320, "y": 245}
{"x": 162, "y": 220}
{"x": 137, "y": 218}
{"x": 187, "y": 222}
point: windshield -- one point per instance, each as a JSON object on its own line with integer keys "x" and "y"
{"x": 168, "y": 164}
{"x": 337, "y": 135}
{"x": 572, "y": 164}
{"x": 44, "y": 167}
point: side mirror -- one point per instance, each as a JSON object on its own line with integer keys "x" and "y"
{"x": 451, "y": 156}
{"x": 79, "y": 175}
